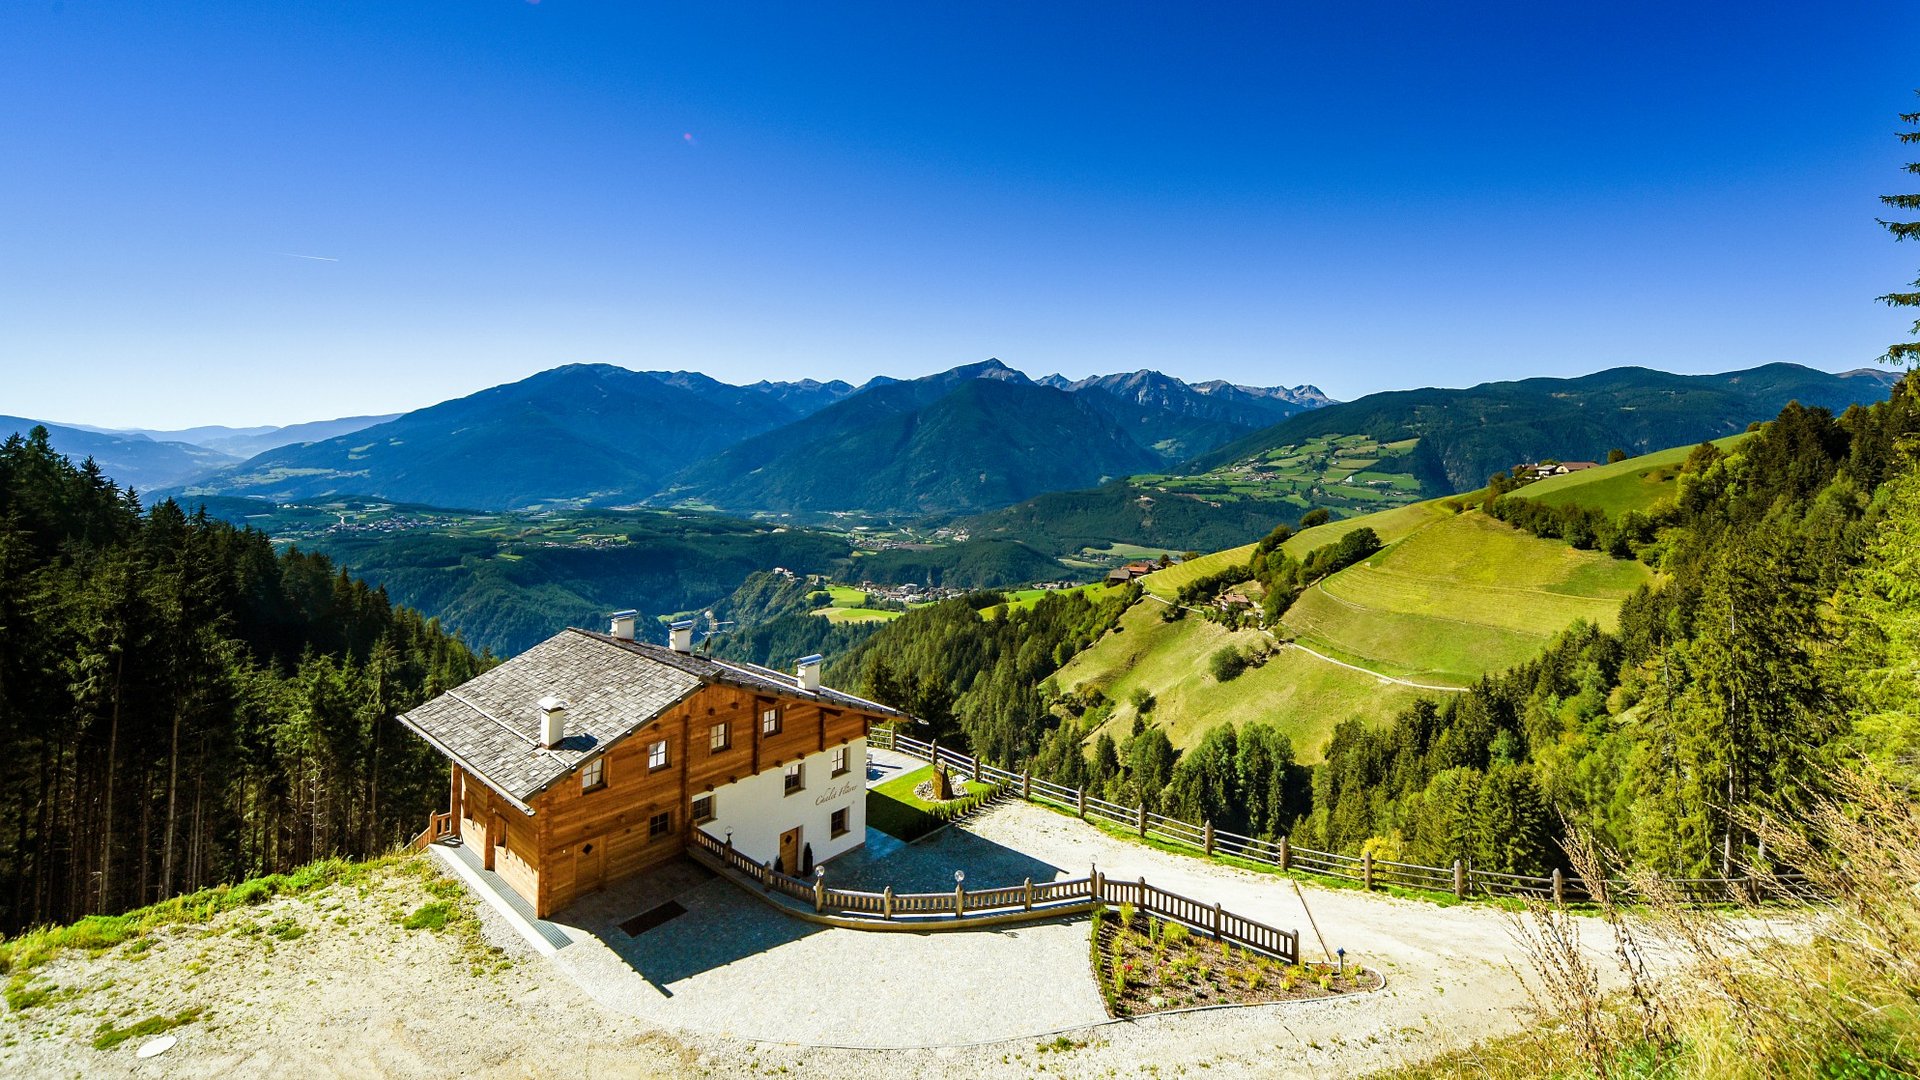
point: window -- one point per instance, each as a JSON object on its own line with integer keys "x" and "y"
{"x": 839, "y": 760}
{"x": 702, "y": 809}
{"x": 657, "y": 755}
{"x": 593, "y": 775}
{"x": 796, "y": 777}
{"x": 719, "y": 736}
{"x": 839, "y": 821}
{"x": 659, "y": 825}
{"x": 770, "y": 722}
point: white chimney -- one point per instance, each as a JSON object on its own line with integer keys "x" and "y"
{"x": 553, "y": 721}
{"x": 622, "y": 627}
{"x": 680, "y": 636}
{"x": 808, "y": 671}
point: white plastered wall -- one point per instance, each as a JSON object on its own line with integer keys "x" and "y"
{"x": 757, "y": 809}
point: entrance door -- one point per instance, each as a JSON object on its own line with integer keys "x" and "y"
{"x": 590, "y": 865}
{"x": 790, "y": 851}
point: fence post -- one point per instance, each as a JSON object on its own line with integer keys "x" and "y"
{"x": 1559, "y": 888}
{"x": 1366, "y": 869}
{"x": 1286, "y": 854}
{"x": 1209, "y": 838}
{"x": 976, "y": 770}
{"x": 1026, "y": 783}
{"x": 1099, "y": 885}
{"x": 886, "y": 903}
{"x": 1459, "y": 880}
{"x": 819, "y": 893}
{"x": 1026, "y": 895}
{"x": 959, "y": 899}
{"x": 1216, "y": 921}
{"x": 1143, "y": 817}
{"x": 1080, "y": 795}
{"x": 766, "y": 878}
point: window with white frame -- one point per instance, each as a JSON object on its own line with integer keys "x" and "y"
{"x": 719, "y": 736}
{"x": 657, "y": 755}
{"x": 796, "y": 778}
{"x": 593, "y": 775}
{"x": 770, "y": 721}
{"x": 839, "y": 760}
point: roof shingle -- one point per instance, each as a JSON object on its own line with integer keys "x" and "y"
{"x": 611, "y": 686}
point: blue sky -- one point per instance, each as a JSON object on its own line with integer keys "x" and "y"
{"x": 1364, "y": 197}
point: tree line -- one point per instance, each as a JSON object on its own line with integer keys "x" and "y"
{"x": 180, "y": 705}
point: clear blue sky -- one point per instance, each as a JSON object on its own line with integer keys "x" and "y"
{"x": 1364, "y": 197}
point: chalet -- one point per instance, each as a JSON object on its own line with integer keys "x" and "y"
{"x": 589, "y": 757}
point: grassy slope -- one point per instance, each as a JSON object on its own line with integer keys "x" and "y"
{"x": 1463, "y": 597}
{"x": 1634, "y": 484}
{"x": 1304, "y": 696}
{"x": 1454, "y": 596}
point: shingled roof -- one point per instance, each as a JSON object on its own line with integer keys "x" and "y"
{"x": 490, "y": 725}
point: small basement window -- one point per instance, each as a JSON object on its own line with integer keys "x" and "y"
{"x": 839, "y": 760}
{"x": 593, "y": 775}
{"x": 659, "y": 825}
{"x": 657, "y": 755}
{"x": 719, "y": 737}
{"x": 796, "y": 778}
{"x": 702, "y": 809}
{"x": 770, "y": 722}
{"x": 840, "y": 827}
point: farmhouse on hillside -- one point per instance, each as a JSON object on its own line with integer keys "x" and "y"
{"x": 589, "y": 757}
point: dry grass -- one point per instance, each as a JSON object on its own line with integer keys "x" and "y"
{"x": 1834, "y": 995}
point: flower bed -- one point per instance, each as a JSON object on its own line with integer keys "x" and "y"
{"x": 1146, "y": 965}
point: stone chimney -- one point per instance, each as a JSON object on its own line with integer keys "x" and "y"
{"x": 622, "y": 627}
{"x": 808, "y": 672}
{"x": 680, "y": 636}
{"x": 553, "y": 721}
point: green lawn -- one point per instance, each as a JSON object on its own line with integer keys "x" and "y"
{"x": 847, "y": 596}
{"x": 1026, "y": 598}
{"x": 1634, "y": 484}
{"x": 855, "y": 614}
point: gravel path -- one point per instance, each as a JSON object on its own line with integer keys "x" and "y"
{"x": 358, "y": 995}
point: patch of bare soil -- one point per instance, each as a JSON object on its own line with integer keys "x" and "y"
{"x": 397, "y": 974}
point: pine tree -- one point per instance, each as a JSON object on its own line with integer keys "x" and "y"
{"x": 1906, "y": 352}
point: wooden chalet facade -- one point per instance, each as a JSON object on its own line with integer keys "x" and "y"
{"x": 588, "y": 758}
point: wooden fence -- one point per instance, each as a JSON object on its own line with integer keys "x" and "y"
{"x": 997, "y": 904}
{"x": 1461, "y": 879}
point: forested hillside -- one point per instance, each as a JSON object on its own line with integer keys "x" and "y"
{"x": 181, "y": 706}
{"x": 1780, "y": 635}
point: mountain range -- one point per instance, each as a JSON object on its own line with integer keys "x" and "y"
{"x": 1466, "y": 435}
{"x": 144, "y": 458}
{"x": 977, "y": 436}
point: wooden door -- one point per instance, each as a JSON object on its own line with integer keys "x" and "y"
{"x": 590, "y": 865}
{"x": 790, "y": 851}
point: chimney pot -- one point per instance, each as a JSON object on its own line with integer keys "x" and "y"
{"x": 680, "y": 636}
{"x": 553, "y": 721}
{"x": 622, "y": 626}
{"x": 808, "y": 671}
